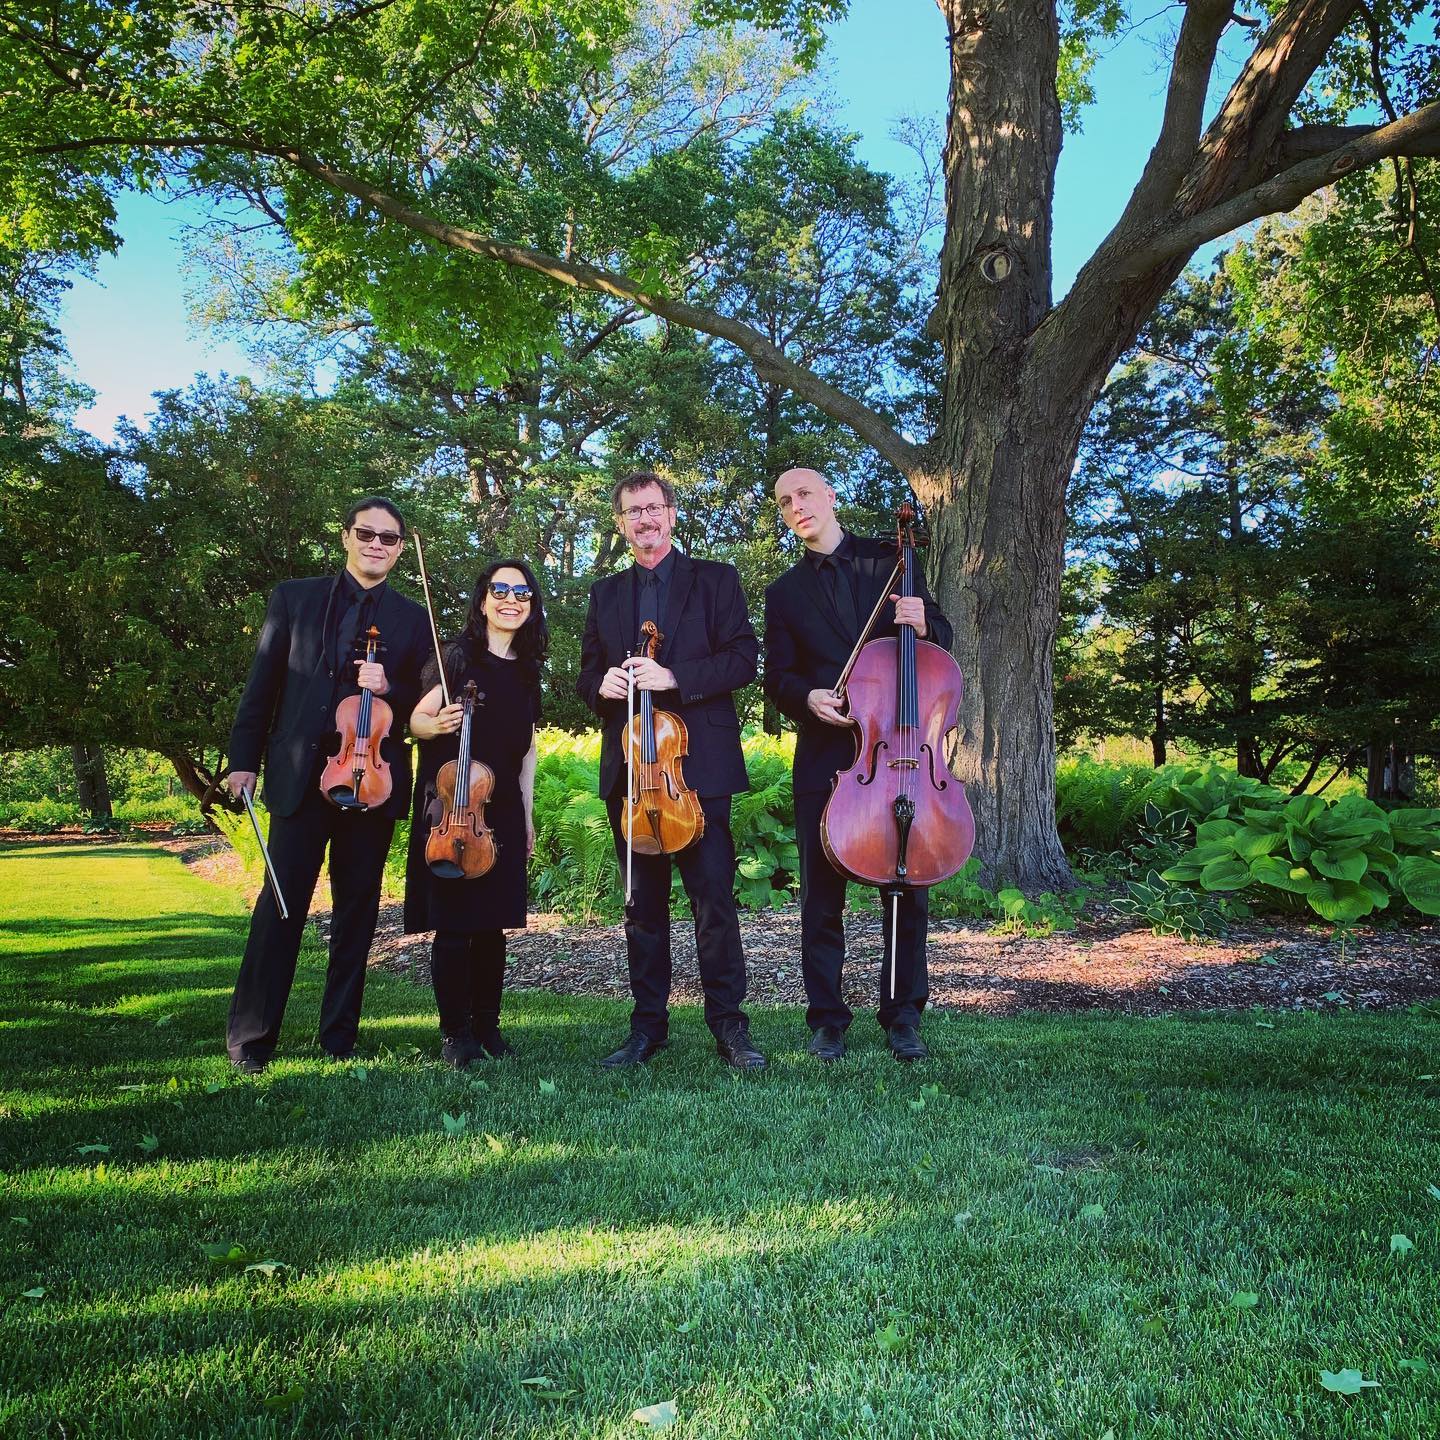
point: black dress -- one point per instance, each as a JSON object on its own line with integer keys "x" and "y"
{"x": 501, "y": 734}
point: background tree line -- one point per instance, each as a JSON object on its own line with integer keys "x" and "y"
{"x": 1251, "y": 531}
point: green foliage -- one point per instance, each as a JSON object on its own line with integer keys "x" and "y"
{"x": 1171, "y": 909}
{"x": 1343, "y": 859}
{"x": 1101, "y": 805}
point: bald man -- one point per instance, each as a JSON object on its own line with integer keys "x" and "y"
{"x": 813, "y": 616}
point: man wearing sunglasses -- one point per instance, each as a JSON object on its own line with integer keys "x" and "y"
{"x": 306, "y": 662}
{"x": 708, "y": 652}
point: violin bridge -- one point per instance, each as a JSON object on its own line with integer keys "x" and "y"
{"x": 905, "y": 764}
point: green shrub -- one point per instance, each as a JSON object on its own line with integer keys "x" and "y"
{"x": 1343, "y": 859}
{"x": 1099, "y": 806}
{"x": 39, "y": 817}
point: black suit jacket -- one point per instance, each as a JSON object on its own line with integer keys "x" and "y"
{"x": 285, "y": 715}
{"x": 807, "y": 645}
{"x": 709, "y": 644}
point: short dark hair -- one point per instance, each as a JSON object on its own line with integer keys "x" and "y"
{"x": 375, "y": 502}
{"x": 638, "y": 480}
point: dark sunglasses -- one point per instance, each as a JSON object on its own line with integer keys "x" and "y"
{"x": 501, "y": 588}
{"x": 388, "y": 538}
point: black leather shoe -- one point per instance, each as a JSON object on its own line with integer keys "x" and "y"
{"x": 492, "y": 1043}
{"x": 637, "y": 1050}
{"x": 250, "y": 1065}
{"x": 827, "y": 1043}
{"x": 735, "y": 1046}
{"x": 457, "y": 1051}
{"x": 906, "y": 1044}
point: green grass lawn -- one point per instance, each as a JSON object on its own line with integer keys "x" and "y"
{"x": 1051, "y": 1229}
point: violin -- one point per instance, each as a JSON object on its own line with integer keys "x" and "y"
{"x": 661, "y": 815}
{"x": 357, "y": 776}
{"x": 897, "y": 818}
{"x": 461, "y": 846}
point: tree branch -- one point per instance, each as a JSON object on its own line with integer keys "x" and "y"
{"x": 768, "y": 359}
{"x": 1414, "y": 134}
{"x": 1195, "y": 48}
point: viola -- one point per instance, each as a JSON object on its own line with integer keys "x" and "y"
{"x": 661, "y": 815}
{"x": 461, "y": 846}
{"x": 898, "y": 818}
{"x": 357, "y": 775}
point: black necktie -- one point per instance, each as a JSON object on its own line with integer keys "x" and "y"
{"x": 648, "y": 602}
{"x": 837, "y": 586}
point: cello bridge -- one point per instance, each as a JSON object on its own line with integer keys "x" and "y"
{"x": 905, "y": 764}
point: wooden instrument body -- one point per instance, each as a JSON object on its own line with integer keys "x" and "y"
{"x": 461, "y": 846}
{"x": 662, "y": 815}
{"x": 357, "y": 776}
{"x": 858, "y": 828}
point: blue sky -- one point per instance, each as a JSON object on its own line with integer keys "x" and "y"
{"x": 129, "y": 333}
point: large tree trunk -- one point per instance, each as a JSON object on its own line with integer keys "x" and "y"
{"x": 90, "y": 780}
{"x": 996, "y": 494}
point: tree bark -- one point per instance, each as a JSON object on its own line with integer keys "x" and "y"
{"x": 90, "y": 780}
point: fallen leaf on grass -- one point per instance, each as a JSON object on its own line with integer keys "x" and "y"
{"x": 542, "y": 1387}
{"x": 360, "y": 1073}
{"x": 163, "y": 1021}
{"x": 214, "y": 1087}
{"x": 657, "y": 1417}
{"x": 455, "y": 1124}
{"x": 286, "y": 1398}
{"x": 547, "y": 1087}
{"x": 495, "y": 1144}
{"x": 19, "y": 1219}
{"x": 1401, "y": 1244}
{"x": 1244, "y": 1300}
{"x": 38, "y": 1293}
{"x": 963, "y": 1218}
{"x": 223, "y": 1252}
{"x": 889, "y": 1339}
{"x": 1418, "y": 1366}
{"x": 1433, "y": 1191}
{"x": 149, "y": 1143}
{"x": 266, "y": 1267}
{"x": 92, "y": 1149}
{"x": 1345, "y": 1382}
{"x": 684, "y": 1327}
{"x": 1092, "y": 1212}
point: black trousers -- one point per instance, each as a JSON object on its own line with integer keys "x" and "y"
{"x": 358, "y": 843}
{"x": 707, "y": 870}
{"x": 467, "y": 970}
{"x": 822, "y": 934}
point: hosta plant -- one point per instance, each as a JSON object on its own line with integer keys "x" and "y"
{"x": 1344, "y": 860}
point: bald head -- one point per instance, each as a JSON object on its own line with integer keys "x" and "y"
{"x": 807, "y": 505}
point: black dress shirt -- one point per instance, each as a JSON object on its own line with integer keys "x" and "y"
{"x": 652, "y": 590}
{"x": 837, "y": 576}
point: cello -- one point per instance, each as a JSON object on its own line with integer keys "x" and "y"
{"x": 461, "y": 846}
{"x": 898, "y": 819}
{"x": 357, "y": 776}
{"x": 662, "y": 815}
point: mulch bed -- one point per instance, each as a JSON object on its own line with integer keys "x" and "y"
{"x": 1106, "y": 963}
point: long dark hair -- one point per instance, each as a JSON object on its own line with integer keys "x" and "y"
{"x": 532, "y": 639}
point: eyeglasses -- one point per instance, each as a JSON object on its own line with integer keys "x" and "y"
{"x": 388, "y": 538}
{"x": 501, "y": 588}
{"x": 650, "y": 512}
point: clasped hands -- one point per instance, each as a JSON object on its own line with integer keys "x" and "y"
{"x": 649, "y": 675}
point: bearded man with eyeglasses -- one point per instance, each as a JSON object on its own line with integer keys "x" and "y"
{"x": 306, "y": 662}
{"x": 708, "y": 652}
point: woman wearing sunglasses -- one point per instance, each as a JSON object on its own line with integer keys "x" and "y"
{"x": 502, "y": 649}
